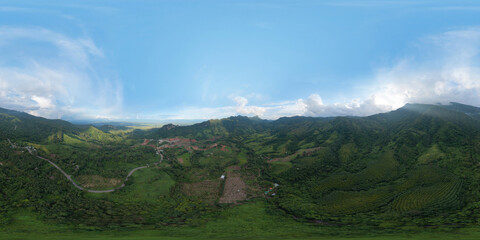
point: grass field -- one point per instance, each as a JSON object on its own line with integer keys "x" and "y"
{"x": 279, "y": 167}
{"x": 98, "y": 182}
{"x": 248, "y": 221}
{"x": 242, "y": 158}
{"x": 186, "y": 159}
{"x": 147, "y": 184}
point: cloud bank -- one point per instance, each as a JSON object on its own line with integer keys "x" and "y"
{"x": 48, "y": 74}
{"x": 55, "y": 76}
{"x": 443, "y": 68}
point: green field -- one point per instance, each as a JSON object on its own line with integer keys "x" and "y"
{"x": 279, "y": 167}
{"x": 248, "y": 221}
{"x": 186, "y": 159}
{"x": 145, "y": 185}
{"x": 242, "y": 158}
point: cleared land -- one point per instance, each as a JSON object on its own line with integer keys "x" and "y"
{"x": 293, "y": 156}
{"x": 234, "y": 190}
{"x": 208, "y": 190}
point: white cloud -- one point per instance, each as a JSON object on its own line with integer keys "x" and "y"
{"x": 243, "y": 109}
{"x": 445, "y": 68}
{"x": 51, "y": 75}
{"x": 43, "y": 102}
{"x": 65, "y": 82}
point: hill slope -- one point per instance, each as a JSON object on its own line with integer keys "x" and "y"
{"x": 416, "y": 165}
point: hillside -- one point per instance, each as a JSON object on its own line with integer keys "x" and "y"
{"x": 415, "y": 166}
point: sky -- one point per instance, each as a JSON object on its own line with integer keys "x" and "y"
{"x": 171, "y": 60}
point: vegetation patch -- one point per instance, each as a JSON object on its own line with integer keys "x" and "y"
{"x": 97, "y": 182}
{"x": 146, "y": 185}
{"x": 432, "y": 154}
{"x": 280, "y": 167}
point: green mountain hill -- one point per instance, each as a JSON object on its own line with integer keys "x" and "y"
{"x": 415, "y": 166}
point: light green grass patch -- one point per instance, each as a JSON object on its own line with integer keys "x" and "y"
{"x": 186, "y": 159}
{"x": 280, "y": 167}
{"x": 145, "y": 185}
{"x": 149, "y": 183}
{"x": 74, "y": 141}
{"x": 242, "y": 158}
{"x": 432, "y": 154}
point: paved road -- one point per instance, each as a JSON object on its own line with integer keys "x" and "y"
{"x": 63, "y": 172}
{"x": 90, "y": 190}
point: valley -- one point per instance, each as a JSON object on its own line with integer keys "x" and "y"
{"x": 412, "y": 169}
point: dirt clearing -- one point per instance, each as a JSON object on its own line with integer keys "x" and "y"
{"x": 208, "y": 190}
{"x": 145, "y": 142}
{"x": 234, "y": 190}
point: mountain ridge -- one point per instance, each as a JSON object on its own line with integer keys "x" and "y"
{"x": 416, "y": 164}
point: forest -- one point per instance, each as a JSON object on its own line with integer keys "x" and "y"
{"x": 414, "y": 169}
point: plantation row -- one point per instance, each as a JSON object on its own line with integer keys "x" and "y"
{"x": 383, "y": 170}
{"x": 442, "y": 195}
{"x": 348, "y": 202}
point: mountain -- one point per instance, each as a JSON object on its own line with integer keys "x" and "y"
{"x": 418, "y": 165}
{"x": 25, "y": 126}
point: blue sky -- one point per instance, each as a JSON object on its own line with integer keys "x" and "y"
{"x": 169, "y": 60}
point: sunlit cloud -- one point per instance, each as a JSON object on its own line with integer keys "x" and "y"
{"x": 445, "y": 68}
{"x": 65, "y": 82}
{"x": 48, "y": 74}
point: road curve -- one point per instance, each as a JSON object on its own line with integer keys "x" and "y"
{"x": 91, "y": 190}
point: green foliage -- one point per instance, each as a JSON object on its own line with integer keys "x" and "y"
{"x": 429, "y": 198}
{"x": 280, "y": 167}
{"x": 145, "y": 185}
{"x": 348, "y": 202}
{"x": 383, "y": 169}
{"x": 413, "y": 167}
{"x": 431, "y": 155}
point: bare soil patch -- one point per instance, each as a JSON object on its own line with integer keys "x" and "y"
{"x": 145, "y": 142}
{"x": 180, "y": 160}
{"x": 234, "y": 190}
{"x": 224, "y": 148}
{"x": 234, "y": 168}
{"x": 208, "y": 190}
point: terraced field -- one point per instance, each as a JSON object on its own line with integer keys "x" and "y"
{"x": 386, "y": 168}
{"x": 442, "y": 195}
{"x": 424, "y": 176}
{"x": 345, "y": 202}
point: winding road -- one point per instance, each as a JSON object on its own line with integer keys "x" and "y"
{"x": 90, "y": 190}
